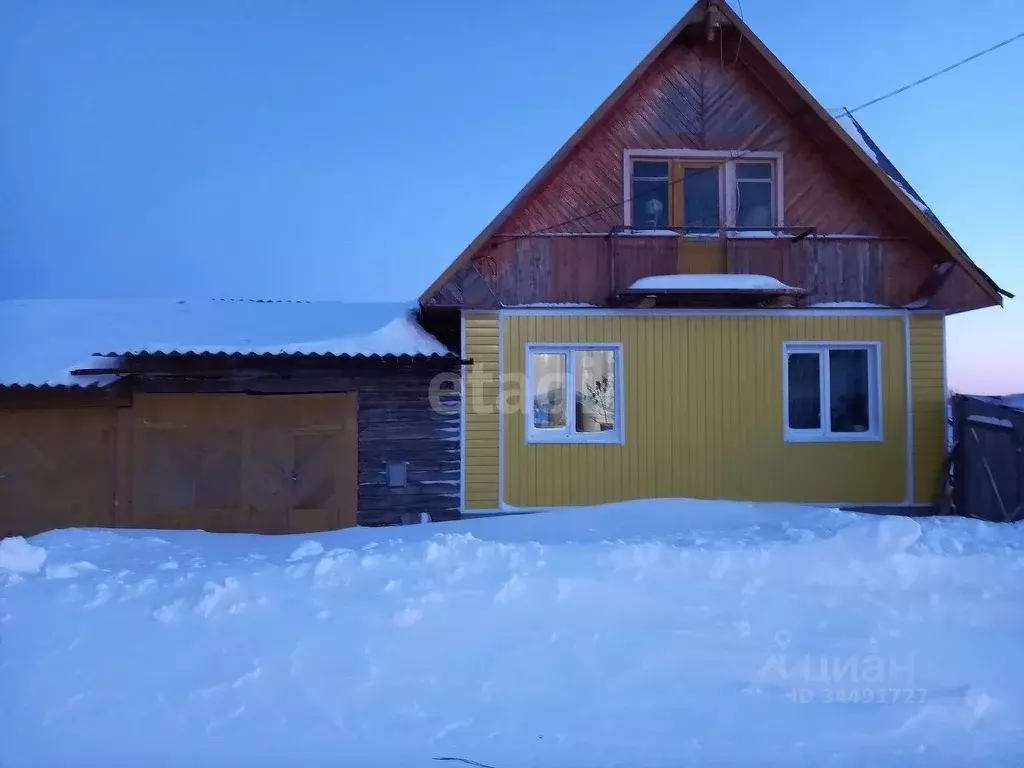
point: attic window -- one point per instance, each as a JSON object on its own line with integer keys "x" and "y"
{"x": 650, "y": 194}
{"x": 703, "y": 192}
{"x": 754, "y": 198}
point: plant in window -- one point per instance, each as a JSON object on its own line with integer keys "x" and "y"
{"x": 599, "y": 396}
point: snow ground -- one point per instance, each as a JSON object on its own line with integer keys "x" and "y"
{"x": 658, "y": 633}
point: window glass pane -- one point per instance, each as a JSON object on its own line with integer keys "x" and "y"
{"x": 650, "y": 203}
{"x": 849, "y": 390}
{"x": 804, "y": 390}
{"x": 548, "y": 390}
{"x": 650, "y": 169}
{"x": 754, "y": 208}
{"x": 595, "y": 390}
{"x": 754, "y": 171}
{"x": 700, "y": 199}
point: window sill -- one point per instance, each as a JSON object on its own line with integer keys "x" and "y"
{"x": 584, "y": 438}
{"x": 832, "y": 437}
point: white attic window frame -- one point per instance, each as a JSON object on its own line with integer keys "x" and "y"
{"x": 727, "y": 189}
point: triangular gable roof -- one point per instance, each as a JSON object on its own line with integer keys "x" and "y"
{"x": 898, "y": 189}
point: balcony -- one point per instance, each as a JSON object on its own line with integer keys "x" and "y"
{"x": 599, "y": 268}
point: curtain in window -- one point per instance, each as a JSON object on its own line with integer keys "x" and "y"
{"x": 594, "y": 372}
{"x": 804, "y": 390}
{"x": 849, "y": 390}
{"x": 548, "y": 390}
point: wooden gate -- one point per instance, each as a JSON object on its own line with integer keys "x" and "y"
{"x": 219, "y": 462}
{"x": 56, "y": 469}
{"x": 234, "y": 462}
{"x": 989, "y": 459}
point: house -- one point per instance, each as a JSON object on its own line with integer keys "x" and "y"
{"x": 266, "y": 417}
{"x": 715, "y": 288}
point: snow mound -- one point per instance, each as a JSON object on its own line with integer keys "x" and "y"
{"x": 710, "y": 282}
{"x": 653, "y": 633}
{"x": 18, "y": 556}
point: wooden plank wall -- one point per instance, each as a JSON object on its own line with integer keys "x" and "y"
{"x": 704, "y": 414}
{"x": 689, "y": 100}
{"x": 122, "y": 466}
{"x": 240, "y": 462}
{"x": 590, "y": 269}
{"x": 989, "y": 471}
{"x": 57, "y": 468}
{"x": 929, "y": 396}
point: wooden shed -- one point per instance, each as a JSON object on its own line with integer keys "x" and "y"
{"x": 266, "y": 417}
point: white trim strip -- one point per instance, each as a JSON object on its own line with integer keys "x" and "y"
{"x": 656, "y": 311}
{"x": 703, "y": 154}
{"x": 462, "y": 415}
{"x": 499, "y": 407}
{"x": 508, "y": 509}
{"x": 910, "y": 410}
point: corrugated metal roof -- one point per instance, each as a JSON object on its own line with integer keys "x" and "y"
{"x": 186, "y": 354}
{"x": 863, "y": 138}
{"x": 44, "y": 340}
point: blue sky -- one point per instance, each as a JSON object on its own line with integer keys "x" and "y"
{"x": 350, "y": 150}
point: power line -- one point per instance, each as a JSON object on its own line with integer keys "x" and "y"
{"x": 933, "y": 75}
{"x": 744, "y": 153}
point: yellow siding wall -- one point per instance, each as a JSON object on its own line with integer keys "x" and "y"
{"x": 703, "y": 414}
{"x": 480, "y": 404}
{"x": 928, "y": 393}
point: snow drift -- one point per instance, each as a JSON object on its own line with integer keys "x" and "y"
{"x": 646, "y": 633}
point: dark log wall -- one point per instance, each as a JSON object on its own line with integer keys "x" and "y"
{"x": 397, "y": 422}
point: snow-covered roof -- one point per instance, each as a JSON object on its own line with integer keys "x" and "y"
{"x": 45, "y": 339}
{"x": 1014, "y": 401}
{"x": 709, "y": 282}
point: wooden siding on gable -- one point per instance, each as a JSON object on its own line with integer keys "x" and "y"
{"x": 689, "y": 99}
{"x": 928, "y": 393}
{"x": 481, "y": 410}
{"x": 703, "y": 414}
{"x": 591, "y": 269}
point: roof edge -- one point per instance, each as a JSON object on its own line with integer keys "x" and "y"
{"x": 984, "y": 281}
{"x": 540, "y": 176}
{"x": 950, "y": 245}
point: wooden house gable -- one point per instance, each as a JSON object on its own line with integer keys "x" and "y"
{"x": 711, "y": 91}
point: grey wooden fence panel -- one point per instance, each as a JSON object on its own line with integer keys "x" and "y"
{"x": 989, "y": 459}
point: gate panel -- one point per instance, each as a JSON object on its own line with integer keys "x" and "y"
{"x": 56, "y": 469}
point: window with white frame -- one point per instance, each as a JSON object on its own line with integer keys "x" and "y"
{"x": 701, "y": 192}
{"x": 755, "y": 196}
{"x": 574, "y": 393}
{"x": 832, "y": 391}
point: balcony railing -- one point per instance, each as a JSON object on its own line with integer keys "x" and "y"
{"x": 594, "y": 268}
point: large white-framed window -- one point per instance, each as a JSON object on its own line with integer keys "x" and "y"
{"x": 701, "y": 191}
{"x": 832, "y": 391}
{"x": 573, "y": 393}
